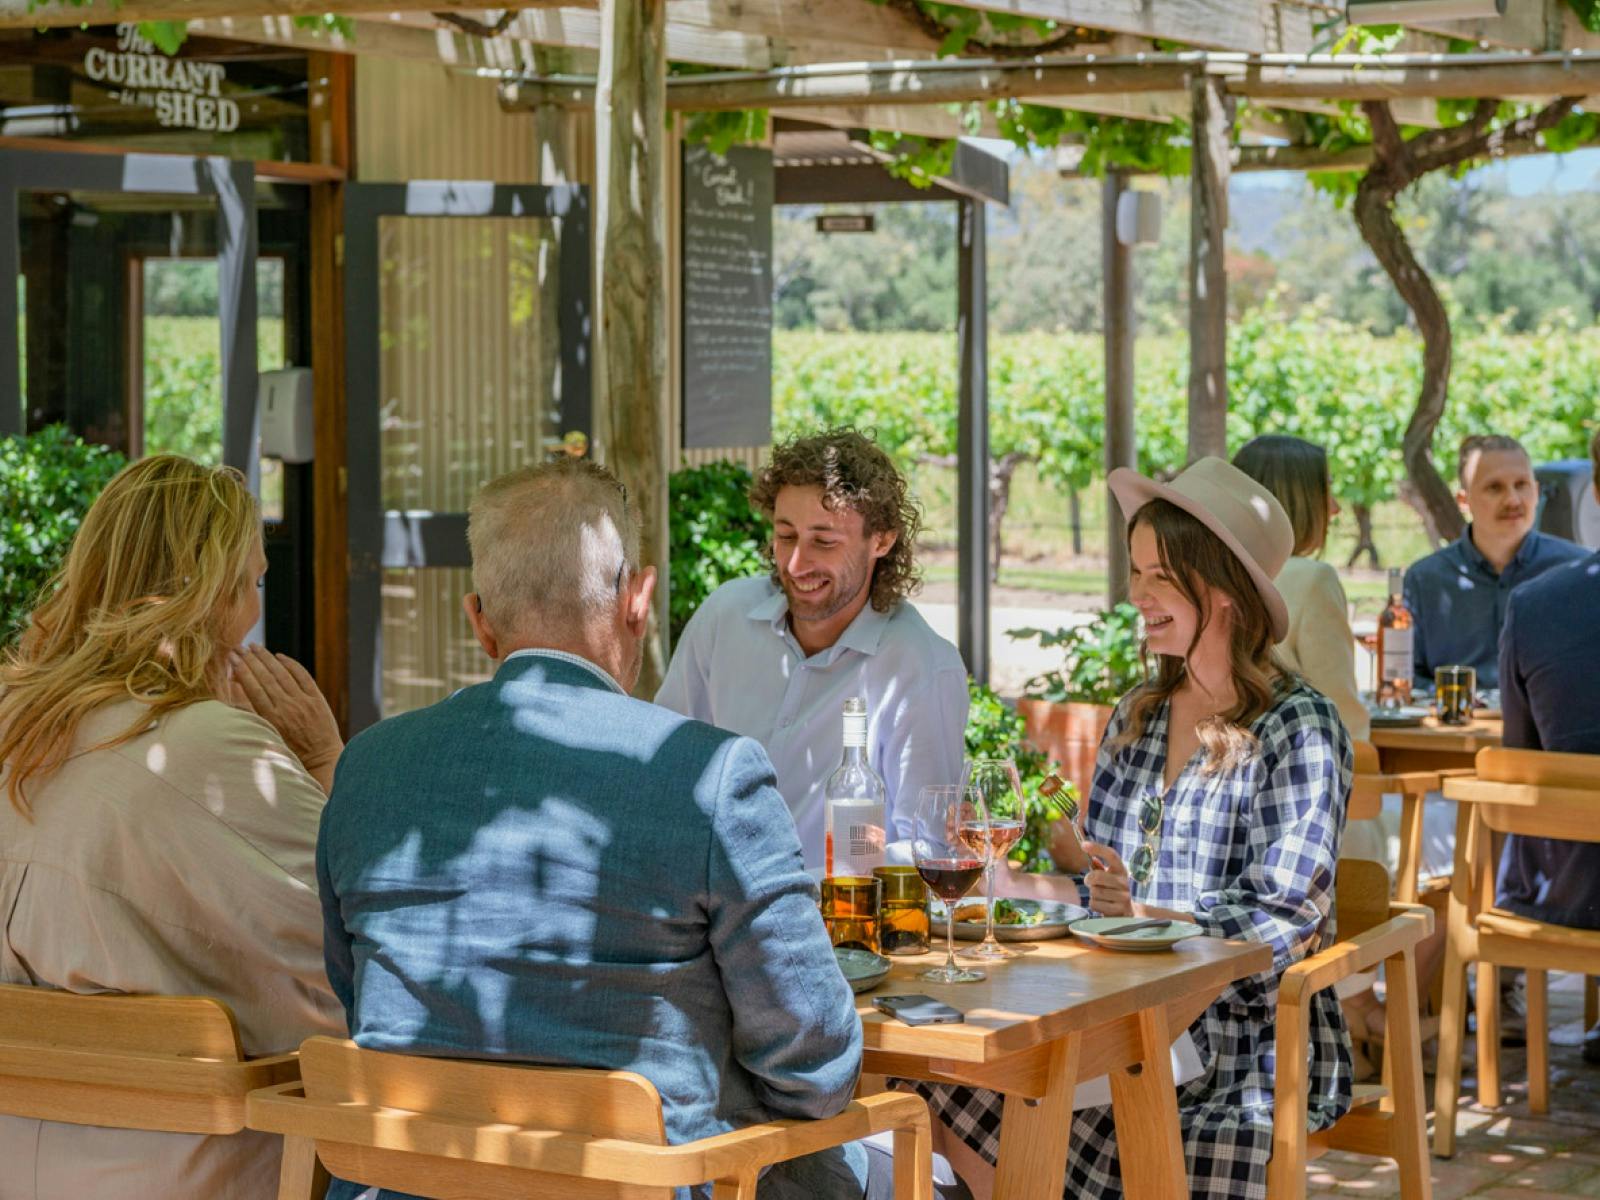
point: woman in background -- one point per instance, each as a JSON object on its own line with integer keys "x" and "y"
{"x": 153, "y": 838}
{"x": 1320, "y": 648}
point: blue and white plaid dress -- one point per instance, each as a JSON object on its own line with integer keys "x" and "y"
{"x": 1251, "y": 853}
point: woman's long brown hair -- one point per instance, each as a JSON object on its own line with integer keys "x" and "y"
{"x": 157, "y": 568}
{"x": 1196, "y": 560}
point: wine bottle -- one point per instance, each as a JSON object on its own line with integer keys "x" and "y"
{"x": 853, "y": 799}
{"x": 1396, "y": 658}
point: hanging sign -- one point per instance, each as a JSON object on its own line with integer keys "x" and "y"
{"x": 185, "y": 93}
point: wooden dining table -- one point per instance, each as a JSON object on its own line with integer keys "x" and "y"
{"x": 1432, "y": 746}
{"x": 1062, "y": 1014}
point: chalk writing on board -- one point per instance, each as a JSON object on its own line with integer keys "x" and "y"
{"x": 727, "y": 297}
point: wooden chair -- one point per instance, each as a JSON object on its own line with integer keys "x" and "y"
{"x": 1537, "y": 794}
{"x": 1388, "y": 1121}
{"x": 1368, "y": 787}
{"x": 485, "y": 1131}
{"x": 167, "y": 1063}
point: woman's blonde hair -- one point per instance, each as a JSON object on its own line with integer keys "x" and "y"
{"x": 1296, "y": 472}
{"x": 1197, "y": 561}
{"x": 139, "y": 610}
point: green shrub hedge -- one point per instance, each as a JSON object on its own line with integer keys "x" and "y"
{"x": 47, "y": 482}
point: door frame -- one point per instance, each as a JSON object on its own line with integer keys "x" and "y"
{"x": 231, "y": 182}
{"x": 379, "y": 539}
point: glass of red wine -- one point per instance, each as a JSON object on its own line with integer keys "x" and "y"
{"x": 995, "y": 779}
{"x": 949, "y": 840}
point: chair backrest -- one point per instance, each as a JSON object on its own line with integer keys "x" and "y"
{"x": 425, "y": 1111}
{"x": 168, "y": 1063}
{"x": 1538, "y": 793}
{"x": 176, "y": 1026}
{"x": 1366, "y": 784}
{"x": 1544, "y": 767}
{"x": 1367, "y": 760}
{"x": 618, "y": 1104}
{"x": 1361, "y": 897}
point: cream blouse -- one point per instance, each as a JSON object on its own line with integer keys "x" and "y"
{"x": 1320, "y": 647}
{"x": 181, "y": 862}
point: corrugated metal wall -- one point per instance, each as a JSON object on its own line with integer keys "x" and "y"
{"x": 462, "y": 324}
{"x": 464, "y": 343}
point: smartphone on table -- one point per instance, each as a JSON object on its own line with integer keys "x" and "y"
{"x": 917, "y": 1009}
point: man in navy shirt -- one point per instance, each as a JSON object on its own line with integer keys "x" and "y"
{"x": 1549, "y": 660}
{"x": 1458, "y": 594}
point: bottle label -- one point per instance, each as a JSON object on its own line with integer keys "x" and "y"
{"x": 1398, "y": 660}
{"x": 858, "y": 838}
{"x": 855, "y": 729}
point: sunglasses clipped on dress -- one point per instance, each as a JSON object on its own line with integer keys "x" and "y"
{"x": 1143, "y": 863}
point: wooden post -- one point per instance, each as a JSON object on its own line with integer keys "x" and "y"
{"x": 631, "y": 383}
{"x": 332, "y": 105}
{"x": 1119, "y": 319}
{"x": 553, "y": 136}
{"x": 972, "y": 443}
{"x": 1208, "y": 280}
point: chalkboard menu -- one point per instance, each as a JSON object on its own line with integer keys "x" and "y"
{"x": 727, "y": 297}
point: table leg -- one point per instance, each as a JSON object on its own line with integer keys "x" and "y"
{"x": 1034, "y": 1134}
{"x": 1144, "y": 1104}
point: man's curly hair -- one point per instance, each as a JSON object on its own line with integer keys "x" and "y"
{"x": 853, "y": 473}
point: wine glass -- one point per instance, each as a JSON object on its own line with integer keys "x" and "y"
{"x": 949, "y": 837}
{"x": 996, "y": 781}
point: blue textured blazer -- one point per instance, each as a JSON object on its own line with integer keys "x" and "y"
{"x": 542, "y": 869}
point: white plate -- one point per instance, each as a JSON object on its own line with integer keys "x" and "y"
{"x": 1147, "y": 939}
{"x": 1058, "y": 918}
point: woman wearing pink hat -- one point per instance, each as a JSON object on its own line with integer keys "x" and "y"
{"x": 1219, "y": 796}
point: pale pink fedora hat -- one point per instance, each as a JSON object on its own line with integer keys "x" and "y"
{"x": 1236, "y": 508}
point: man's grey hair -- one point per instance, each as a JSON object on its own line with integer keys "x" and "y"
{"x": 552, "y": 545}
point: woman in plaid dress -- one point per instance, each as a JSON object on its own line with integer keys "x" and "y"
{"x": 1218, "y": 797}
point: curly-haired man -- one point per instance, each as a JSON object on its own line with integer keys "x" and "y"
{"x": 775, "y": 658}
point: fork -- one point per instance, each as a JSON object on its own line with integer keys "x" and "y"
{"x": 1133, "y": 926}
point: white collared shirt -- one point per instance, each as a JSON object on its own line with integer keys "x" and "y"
{"x": 739, "y": 666}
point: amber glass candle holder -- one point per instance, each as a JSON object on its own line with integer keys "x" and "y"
{"x": 903, "y": 927}
{"x": 852, "y": 907}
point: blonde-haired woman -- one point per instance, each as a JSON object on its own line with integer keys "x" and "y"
{"x": 154, "y": 838}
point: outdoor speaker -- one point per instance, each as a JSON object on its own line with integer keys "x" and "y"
{"x": 285, "y": 402}
{"x": 1139, "y": 218}
{"x": 1568, "y": 507}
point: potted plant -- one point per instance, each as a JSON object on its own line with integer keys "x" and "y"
{"x": 1066, "y": 710}
{"x": 995, "y": 730}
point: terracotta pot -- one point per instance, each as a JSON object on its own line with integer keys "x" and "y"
{"x": 1070, "y": 734}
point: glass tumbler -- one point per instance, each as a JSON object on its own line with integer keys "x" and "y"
{"x": 852, "y": 907}
{"x": 1454, "y": 688}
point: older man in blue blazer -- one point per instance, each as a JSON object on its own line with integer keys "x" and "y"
{"x": 542, "y": 869}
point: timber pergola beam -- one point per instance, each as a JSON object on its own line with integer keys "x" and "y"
{"x": 941, "y": 82}
{"x": 27, "y": 14}
{"x": 1443, "y": 77}
{"x": 957, "y": 81}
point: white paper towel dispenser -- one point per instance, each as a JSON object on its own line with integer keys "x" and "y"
{"x": 285, "y": 403}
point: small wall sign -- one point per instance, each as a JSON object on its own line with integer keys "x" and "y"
{"x": 185, "y": 93}
{"x": 845, "y": 223}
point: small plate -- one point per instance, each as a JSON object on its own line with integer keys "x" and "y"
{"x": 1147, "y": 939}
{"x": 862, "y": 969}
{"x": 1058, "y": 917}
